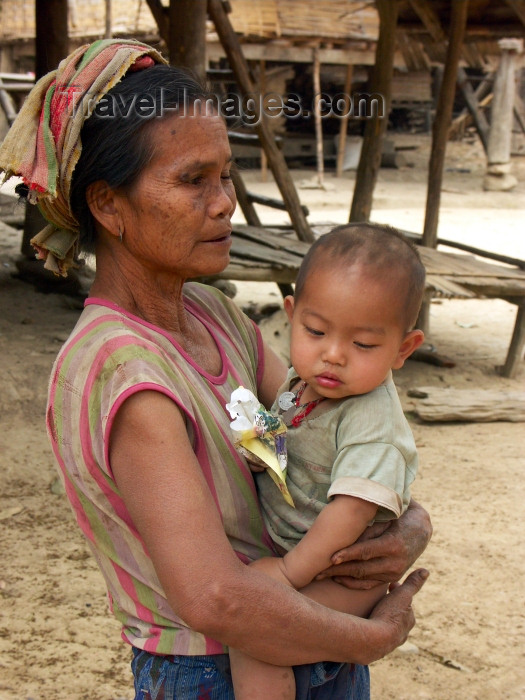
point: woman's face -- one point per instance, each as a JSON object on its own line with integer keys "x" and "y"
{"x": 177, "y": 217}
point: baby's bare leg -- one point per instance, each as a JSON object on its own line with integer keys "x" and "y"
{"x": 350, "y": 601}
{"x": 257, "y": 680}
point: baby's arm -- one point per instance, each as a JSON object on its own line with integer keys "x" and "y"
{"x": 338, "y": 525}
{"x": 341, "y": 521}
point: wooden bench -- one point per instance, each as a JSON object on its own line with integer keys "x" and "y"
{"x": 273, "y": 254}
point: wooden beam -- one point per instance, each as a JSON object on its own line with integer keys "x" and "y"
{"x": 479, "y": 118}
{"x": 430, "y": 19}
{"x": 276, "y": 160}
{"x": 458, "y": 20}
{"x": 303, "y": 54}
{"x": 483, "y": 97}
{"x": 519, "y": 8}
{"x": 375, "y": 128}
{"x": 161, "y": 17}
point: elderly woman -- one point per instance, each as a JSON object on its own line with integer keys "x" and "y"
{"x": 125, "y": 162}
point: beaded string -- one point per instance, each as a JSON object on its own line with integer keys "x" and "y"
{"x": 307, "y": 407}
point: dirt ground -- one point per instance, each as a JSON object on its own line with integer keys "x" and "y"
{"x": 57, "y": 640}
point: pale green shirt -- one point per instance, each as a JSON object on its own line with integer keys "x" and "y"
{"x": 359, "y": 446}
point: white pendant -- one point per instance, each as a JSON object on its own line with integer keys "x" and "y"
{"x": 286, "y": 400}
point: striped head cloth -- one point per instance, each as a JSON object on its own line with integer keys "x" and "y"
{"x": 43, "y": 144}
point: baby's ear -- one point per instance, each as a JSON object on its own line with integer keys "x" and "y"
{"x": 289, "y": 304}
{"x": 411, "y": 342}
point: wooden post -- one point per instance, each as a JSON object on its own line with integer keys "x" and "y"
{"x": 108, "y": 30}
{"x": 515, "y": 352}
{"x": 498, "y": 175}
{"x": 262, "y": 87}
{"x": 458, "y": 20}
{"x": 276, "y": 161}
{"x": 343, "y": 124}
{"x": 375, "y": 128}
{"x": 187, "y": 35}
{"x": 316, "y": 68}
{"x": 51, "y": 46}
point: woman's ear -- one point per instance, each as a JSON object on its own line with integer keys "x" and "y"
{"x": 101, "y": 200}
{"x": 411, "y": 342}
{"x": 289, "y": 306}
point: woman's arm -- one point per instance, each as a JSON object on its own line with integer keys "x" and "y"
{"x": 384, "y": 552}
{"x": 169, "y": 501}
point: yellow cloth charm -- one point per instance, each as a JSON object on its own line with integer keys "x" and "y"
{"x": 260, "y": 436}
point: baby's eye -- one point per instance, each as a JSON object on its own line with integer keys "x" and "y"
{"x": 364, "y": 346}
{"x": 313, "y": 331}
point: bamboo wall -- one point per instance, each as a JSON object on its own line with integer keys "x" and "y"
{"x": 86, "y": 18}
{"x": 329, "y": 19}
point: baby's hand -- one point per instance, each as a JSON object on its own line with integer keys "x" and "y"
{"x": 255, "y": 463}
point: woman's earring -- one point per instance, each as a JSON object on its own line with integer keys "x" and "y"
{"x": 120, "y": 233}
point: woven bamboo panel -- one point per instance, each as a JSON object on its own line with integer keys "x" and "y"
{"x": 256, "y": 18}
{"x": 86, "y": 18}
{"x": 330, "y": 19}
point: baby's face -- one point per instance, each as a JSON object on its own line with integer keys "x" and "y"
{"x": 346, "y": 332}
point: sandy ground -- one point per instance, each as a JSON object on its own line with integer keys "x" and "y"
{"x": 57, "y": 640}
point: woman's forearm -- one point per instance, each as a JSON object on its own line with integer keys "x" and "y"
{"x": 274, "y": 623}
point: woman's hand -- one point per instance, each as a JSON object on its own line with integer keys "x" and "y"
{"x": 384, "y": 552}
{"x": 394, "y": 616}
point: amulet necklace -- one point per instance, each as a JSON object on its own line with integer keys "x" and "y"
{"x": 306, "y": 408}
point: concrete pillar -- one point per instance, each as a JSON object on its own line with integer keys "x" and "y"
{"x": 498, "y": 175}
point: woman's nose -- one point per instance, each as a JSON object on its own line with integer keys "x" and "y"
{"x": 223, "y": 200}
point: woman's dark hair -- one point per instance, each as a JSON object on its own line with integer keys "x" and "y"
{"x": 115, "y": 138}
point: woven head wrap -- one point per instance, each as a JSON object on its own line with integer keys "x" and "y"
{"x": 43, "y": 144}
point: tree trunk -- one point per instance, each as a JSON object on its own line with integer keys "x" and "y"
{"x": 375, "y": 128}
{"x": 187, "y": 35}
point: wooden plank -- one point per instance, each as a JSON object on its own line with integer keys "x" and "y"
{"x": 443, "y": 287}
{"x": 266, "y": 237}
{"x": 438, "y": 262}
{"x": 302, "y": 54}
{"x": 475, "y": 405}
{"x": 251, "y": 250}
{"x": 490, "y": 287}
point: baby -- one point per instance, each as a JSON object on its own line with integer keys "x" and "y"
{"x": 351, "y": 454}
